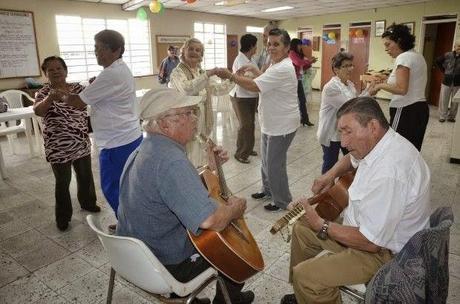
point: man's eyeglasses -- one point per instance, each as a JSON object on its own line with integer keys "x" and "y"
{"x": 347, "y": 66}
{"x": 194, "y": 112}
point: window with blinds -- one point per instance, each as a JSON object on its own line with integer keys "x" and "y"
{"x": 76, "y": 45}
{"x": 214, "y": 38}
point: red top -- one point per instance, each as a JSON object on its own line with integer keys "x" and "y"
{"x": 299, "y": 62}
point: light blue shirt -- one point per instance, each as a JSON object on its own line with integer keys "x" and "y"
{"x": 161, "y": 197}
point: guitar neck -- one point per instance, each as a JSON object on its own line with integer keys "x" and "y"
{"x": 292, "y": 215}
{"x": 215, "y": 165}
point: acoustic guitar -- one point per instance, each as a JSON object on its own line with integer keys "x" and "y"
{"x": 233, "y": 251}
{"x": 329, "y": 204}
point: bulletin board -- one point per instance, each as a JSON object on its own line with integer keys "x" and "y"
{"x": 18, "y": 45}
{"x": 163, "y": 42}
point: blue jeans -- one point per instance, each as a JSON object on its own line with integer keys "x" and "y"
{"x": 331, "y": 155}
{"x": 111, "y": 164}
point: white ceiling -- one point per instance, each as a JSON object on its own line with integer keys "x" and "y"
{"x": 253, "y": 8}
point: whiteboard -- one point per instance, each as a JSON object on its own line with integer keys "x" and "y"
{"x": 18, "y": 45}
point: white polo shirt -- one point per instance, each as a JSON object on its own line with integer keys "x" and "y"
{"x": 237, "y": 90}
{"x": 417, "y": 79}
{"x": 335, "y": 93}
{"x": 389, "y": 199}
{"x": 112, "y": 97}
{"x": 278, "y": 106}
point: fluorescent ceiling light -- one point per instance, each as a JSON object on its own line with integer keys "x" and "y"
{"x": 230, "y": 2}
{"x": 276, "y": 9}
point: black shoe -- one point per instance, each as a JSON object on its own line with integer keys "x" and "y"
{"x": 259, "y": 195}
{"x": 271, "y": 207}
{"x": 62, "y": 225}
{"x": 442, "y": 120}
{"x": 112, "y": 229}
{"x": 201, "y": 301}
{"x": 94, "y": 208}
{"x": 289, "y": 299}
{"x": 308, "y": 124}
{"x": 253, "y": 153}
{"x": 451, "y": 119}
{"x": 245, "y": 297}
{"x": 242, "y": 160}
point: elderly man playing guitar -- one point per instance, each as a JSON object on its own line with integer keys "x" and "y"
{"x": 388, "y": 203}
{"x": 162, "y": 196}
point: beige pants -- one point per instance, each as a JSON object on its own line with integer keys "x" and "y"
{"x": 317, "y": 280}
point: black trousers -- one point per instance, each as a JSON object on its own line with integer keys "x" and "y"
{"x": 302, "y": 103}
{"x": 189, "y": 269}
{"x": 410, "y": 121}
{"x": 86, "y": 193}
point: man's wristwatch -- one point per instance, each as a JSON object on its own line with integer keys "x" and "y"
{"x": 322, "y": 233}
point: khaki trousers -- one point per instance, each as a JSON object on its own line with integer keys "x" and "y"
{"x": 316, "y": 280}
{"x": 245, "y": 109}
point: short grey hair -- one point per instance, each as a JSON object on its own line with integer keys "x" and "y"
{"x": 365, "y": 109}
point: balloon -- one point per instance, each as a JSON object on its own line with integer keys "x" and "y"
{"x": 304, "y": 41}
{"x": 155, "y": 6}
{"x": 162, "y": 8}
{"x": 331, "y": 35}
{"x": 308, "y": 42}
{"x": 352, "y": 33}
{"x": 359, "y": 33}
{"x": 190, "y": 1}
{"x": 141, "y": 14}
{"x": 325, "y": 37}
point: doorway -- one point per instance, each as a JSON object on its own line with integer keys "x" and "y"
{"x": 439, "y": 33}
{"x": 232, "y": 50}
{"x": 330, "y": 47}
{"x": 358, "y": 46}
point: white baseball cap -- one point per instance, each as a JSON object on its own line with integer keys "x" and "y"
{"x": 162, "y": 99}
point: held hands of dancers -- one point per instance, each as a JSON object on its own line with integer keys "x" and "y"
{"x": 57, "y": 95}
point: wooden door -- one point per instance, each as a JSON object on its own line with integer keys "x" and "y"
{"x": 232, "y": 50}
{"x": 444, "y": 41}
{"x": 329, "y": 49}
{"x": 358, "y": 46}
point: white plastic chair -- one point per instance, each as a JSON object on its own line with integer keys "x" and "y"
{"x": 14, "y": 98}
{"x": 222, "y": 104}
{"x": 136, "y": 263}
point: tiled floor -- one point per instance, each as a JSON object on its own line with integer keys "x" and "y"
{"x": 39, "y": 264}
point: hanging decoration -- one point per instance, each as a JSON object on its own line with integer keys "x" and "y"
{"x": 306, "y": 42}
{"x": 155, "y": 6}
{"x": 141, "y": 14}
{"x": 162, "y": 9}
{"x": 329, "y": 38}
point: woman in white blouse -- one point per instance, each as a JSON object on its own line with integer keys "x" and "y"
{"x": 335, "y": 93}
{"x": 409, "y": 110}
{"x": 189, "y": 78}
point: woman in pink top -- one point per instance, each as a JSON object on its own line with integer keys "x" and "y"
{"x": 300, "y": 65}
